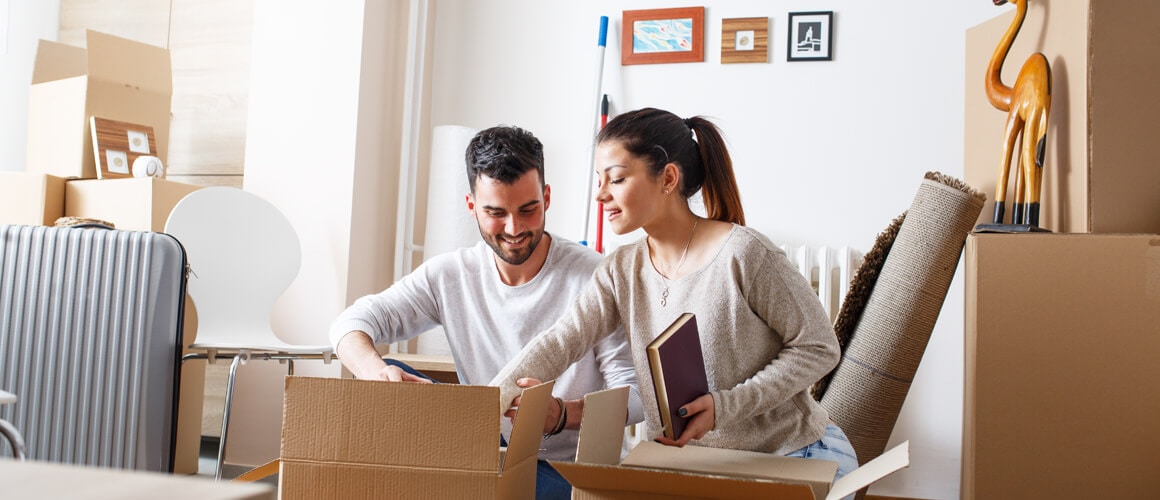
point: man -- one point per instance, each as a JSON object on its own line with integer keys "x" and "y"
{"x": 492, "y": 298}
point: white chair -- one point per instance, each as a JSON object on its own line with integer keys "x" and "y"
{"x": 8, "y": 431}
{"x": 243, "y": 254}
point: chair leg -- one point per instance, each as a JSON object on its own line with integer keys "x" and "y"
{"x": 14, "y": 438}
{"x": 217, "y": 473}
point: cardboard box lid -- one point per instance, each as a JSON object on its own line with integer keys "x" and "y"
{"x": 328, "y": 420}
{"x": 107, "y": 58}
{"x": 132, "y": 63}
{"x": 57, "y": 61}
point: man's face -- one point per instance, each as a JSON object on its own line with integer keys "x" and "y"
{"x": 510, "y": 216}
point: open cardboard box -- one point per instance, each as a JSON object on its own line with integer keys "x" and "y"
{"x": 345, "y": 438}
{"x": 652, "y": 470}
{"x": 114, "y": 78}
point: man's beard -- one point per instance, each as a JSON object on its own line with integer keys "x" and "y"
{"x": 518, "y": 256}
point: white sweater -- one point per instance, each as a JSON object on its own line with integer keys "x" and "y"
{"x": 764, "y": 335}
{"x": 487, "y": 322}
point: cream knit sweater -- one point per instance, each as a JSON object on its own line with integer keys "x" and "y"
{"x": 764, "y": 335}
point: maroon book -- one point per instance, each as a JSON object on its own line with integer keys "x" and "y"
{"x": 678, "y": 371}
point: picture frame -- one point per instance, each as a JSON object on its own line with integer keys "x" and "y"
{"x": 117, "y": 145}
{"x": 810, "y": 37}
{"x": 745, "y": 40}
{"x": 653, "y": 36}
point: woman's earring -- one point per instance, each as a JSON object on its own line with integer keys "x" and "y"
{"x": 666, "y": 191}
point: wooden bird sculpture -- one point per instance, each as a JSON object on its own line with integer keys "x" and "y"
{"x": 1027, "y": 104}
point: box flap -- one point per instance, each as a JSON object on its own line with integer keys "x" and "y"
{"x": 634, "y": 482}
{"x": 132, "y": 63}
{"x": 886, "y": 463}
{"x": 527, "y": 431}
{"x": 326, "y": 420}
{"x": 818, "y": 474}
{"x": 602, "y": 426}
{"x": 56, "y": 61}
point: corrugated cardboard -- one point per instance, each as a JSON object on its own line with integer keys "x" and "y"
{"x": 1100, "y": 174}
{"x": 32, "y": 479}
{"x": 31, "y": 199}
{"x": 652, "y": 470}
{"x": 139, "y": 204}
{"x": 345, "y": 438}
{"x": 113, "y": 78}
{"x": 1062, "y": 383}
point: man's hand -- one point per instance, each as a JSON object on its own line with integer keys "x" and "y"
{"x": 357, "y": 353}
{"x": 702, "y": 419}
{"x": 390, "y": 373}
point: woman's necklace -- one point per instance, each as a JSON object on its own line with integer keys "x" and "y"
{"x": 684, "y": 253}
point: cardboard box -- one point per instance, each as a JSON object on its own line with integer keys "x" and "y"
{"x": 140, "y": 204}
{"x": 345, "y": 438}
{"x": 30, "y": 198}
{"x": 653, "y": 470}
{"x": 113, "y": 78}
{"x": 1100, "y": 174}
{"x": 33, "y": 479}
{"x": 1061, "y": 379}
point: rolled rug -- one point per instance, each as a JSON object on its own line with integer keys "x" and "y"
{"x": 867, "y": 389}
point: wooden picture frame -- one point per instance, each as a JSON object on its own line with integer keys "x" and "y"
{"x": 116, "y": 145}
{"x": 811, "y": 36}
{"x": 662, "y": 36}
{"x": 745, "y": 40}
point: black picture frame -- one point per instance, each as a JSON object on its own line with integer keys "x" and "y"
{"x": 811, "y": 36}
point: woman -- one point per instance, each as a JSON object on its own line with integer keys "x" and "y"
{"x": 764, "y": 335}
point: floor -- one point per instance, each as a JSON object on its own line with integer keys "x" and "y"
{"x": 208, "y": 457}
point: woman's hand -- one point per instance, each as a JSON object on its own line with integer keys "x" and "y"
{"x": 702, "y": 419}
{"x": 554, "y": 410}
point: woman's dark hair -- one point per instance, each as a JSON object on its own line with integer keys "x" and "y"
{"x": 694, "y": 144}
{"x": 503, "y": 153}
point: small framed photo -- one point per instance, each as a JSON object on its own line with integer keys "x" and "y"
{"x": 662, "y": 36}
{"x": 117, "y": 145}
{"x": 745, "y": 40}
{"x": 811, "y": 36}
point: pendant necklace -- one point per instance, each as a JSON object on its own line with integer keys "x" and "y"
{"x": 684, "y": 253}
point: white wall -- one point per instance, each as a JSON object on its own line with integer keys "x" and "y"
{"x": 28, "y": 21}
{"x": 825, "y": 152}
{"x": 320, "y": 147}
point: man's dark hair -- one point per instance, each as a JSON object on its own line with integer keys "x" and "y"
{"x": 504, "y": 153}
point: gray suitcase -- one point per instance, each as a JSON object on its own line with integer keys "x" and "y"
{"x": 90, "y": 342}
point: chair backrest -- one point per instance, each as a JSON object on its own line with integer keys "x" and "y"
{"x": 867, "y": 389}
{"x": 243, "y": 254}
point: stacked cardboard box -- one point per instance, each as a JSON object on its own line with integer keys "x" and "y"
{"x": 1100, "y": 174}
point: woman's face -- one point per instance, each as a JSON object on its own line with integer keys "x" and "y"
{"x": 631, "y": 194}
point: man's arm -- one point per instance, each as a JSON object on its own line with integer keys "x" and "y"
{"x": 357, "y": 353}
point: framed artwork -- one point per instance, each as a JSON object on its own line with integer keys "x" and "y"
{"x": 811, "y": 36}
{"x": 745, "y": 40}
{"x": 117, "y": 145}
{"x": 662, "y": 36}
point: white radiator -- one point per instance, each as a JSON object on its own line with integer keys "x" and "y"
{"x": 829, "y": 271}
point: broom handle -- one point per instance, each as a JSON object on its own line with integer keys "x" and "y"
{"x": 601, "y": 42}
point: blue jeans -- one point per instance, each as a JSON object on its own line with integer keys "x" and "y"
{"x": 549, "y": 483}
{"x": 833, "y": 446}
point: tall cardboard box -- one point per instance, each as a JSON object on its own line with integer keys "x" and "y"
{"x": 137, "y": 204}
{"x": 113, "y": 78}
{"x": 1100, "y": 174}
{"x": 31, "y": 199}
{"x": 345, "y": 438}
{"x": 1062, "y": 383}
